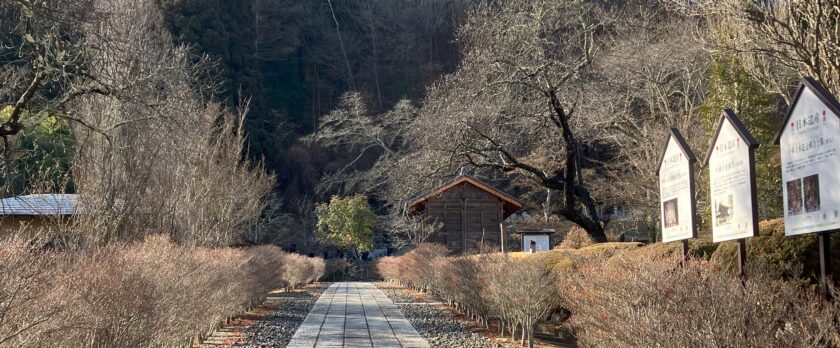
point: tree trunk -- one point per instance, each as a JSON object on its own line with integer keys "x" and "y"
{"x": 343, "y": 51}
{"x": 512, "y": 332}
{"x": 531, "y": 336}
{"x": 574, "y": 189}
{"x": 501, "y": 327}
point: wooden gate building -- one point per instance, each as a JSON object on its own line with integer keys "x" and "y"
{"x": 470, "y": 210}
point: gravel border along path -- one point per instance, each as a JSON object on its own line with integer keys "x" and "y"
{"x": 290, "y": 309}
{"x": 438, "y": 327}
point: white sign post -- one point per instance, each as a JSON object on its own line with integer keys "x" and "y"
{"x": 810, "y": 151}
{"x": 677, "y": 204}
{"x": 731, "y": 162}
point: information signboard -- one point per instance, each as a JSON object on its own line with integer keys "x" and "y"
{"x": 676, "y": 189}
{"x": 731, "y": 163}
{"x": 809, "y": 143}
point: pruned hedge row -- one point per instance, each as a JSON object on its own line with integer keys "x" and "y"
{"x": 619, "y": 296}
{"x": 148, "y": 294}
{"x": 644, "y": 301}
{"x": 515, "y": 291}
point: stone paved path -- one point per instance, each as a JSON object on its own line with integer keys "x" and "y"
{"x": 355, "y": 315}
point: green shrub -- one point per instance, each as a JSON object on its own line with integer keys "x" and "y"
{"x": 771, "y": 251}
{"x": 699, "y": 248}
{"x": 560, "y": 260}
{"x": 607, "y": 250}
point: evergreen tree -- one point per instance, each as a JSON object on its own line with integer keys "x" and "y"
{"x": 730, "y": 86}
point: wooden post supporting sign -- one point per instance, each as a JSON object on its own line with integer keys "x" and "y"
{"x": 824, "y": 242}
{"x": 742, "y": 256}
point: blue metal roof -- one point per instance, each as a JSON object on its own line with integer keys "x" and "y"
{"x": 39, "y": 204}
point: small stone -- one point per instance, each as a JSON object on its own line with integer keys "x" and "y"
{"x": 436, "y": 326}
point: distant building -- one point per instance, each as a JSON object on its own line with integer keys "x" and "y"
{"x": 35, "y": 212}
{"x": 470, "y": 210}
{"x": 536, "y": 239}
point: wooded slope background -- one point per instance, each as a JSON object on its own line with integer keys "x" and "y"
{"x": 295, "y": 59}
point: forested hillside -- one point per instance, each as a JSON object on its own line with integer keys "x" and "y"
{"x": 294, "y": 59}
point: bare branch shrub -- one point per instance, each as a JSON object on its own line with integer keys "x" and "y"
{"x": 647, "y": 302}
{"x": 417, "y": 264}
{"x": 428, "y": 268}
{"x": 460, "y": 280}
{"x": 388, "y": 268}
{"x": 27, "y": 277}
{"x": 624, "y": 299}
{"x": 298, "y": 270}
{"x": 517, "y": 291}
{"x": 150, "y": 293}
{"x": 160, "y": 158}
{"x": 520, "y": 291}
{"x": 266, "y": 264}
{"x": 575, "y": 238}
{"x": 319, "y": 267}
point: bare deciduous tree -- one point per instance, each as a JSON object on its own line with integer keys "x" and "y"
{"x": 374, "y": 142}
{"x": 408, "y": 231}
{"x": 45, "y": 58}
{"x": 776, "y": 40}
{"x": 511, "y": 107}
{"x": 162, "y": 159}
{"x": 638, "y": 96}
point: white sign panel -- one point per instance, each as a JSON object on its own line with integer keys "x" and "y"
{"x": 537, "y": 242}
{"x": 811, "y": 167}
{"x": 675, "y": 194}
{"x": 731, "y": 186}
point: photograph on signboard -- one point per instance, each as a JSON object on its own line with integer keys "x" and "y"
{"x": 724, "y": 210}
{"x": 811, "y": 186}
{"x": 671, "y": 213}
{"x": 794, "y": 197}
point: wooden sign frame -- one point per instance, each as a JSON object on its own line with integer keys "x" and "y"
{"x": 674, "y": 133}
{"x": 729, "y": 116}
